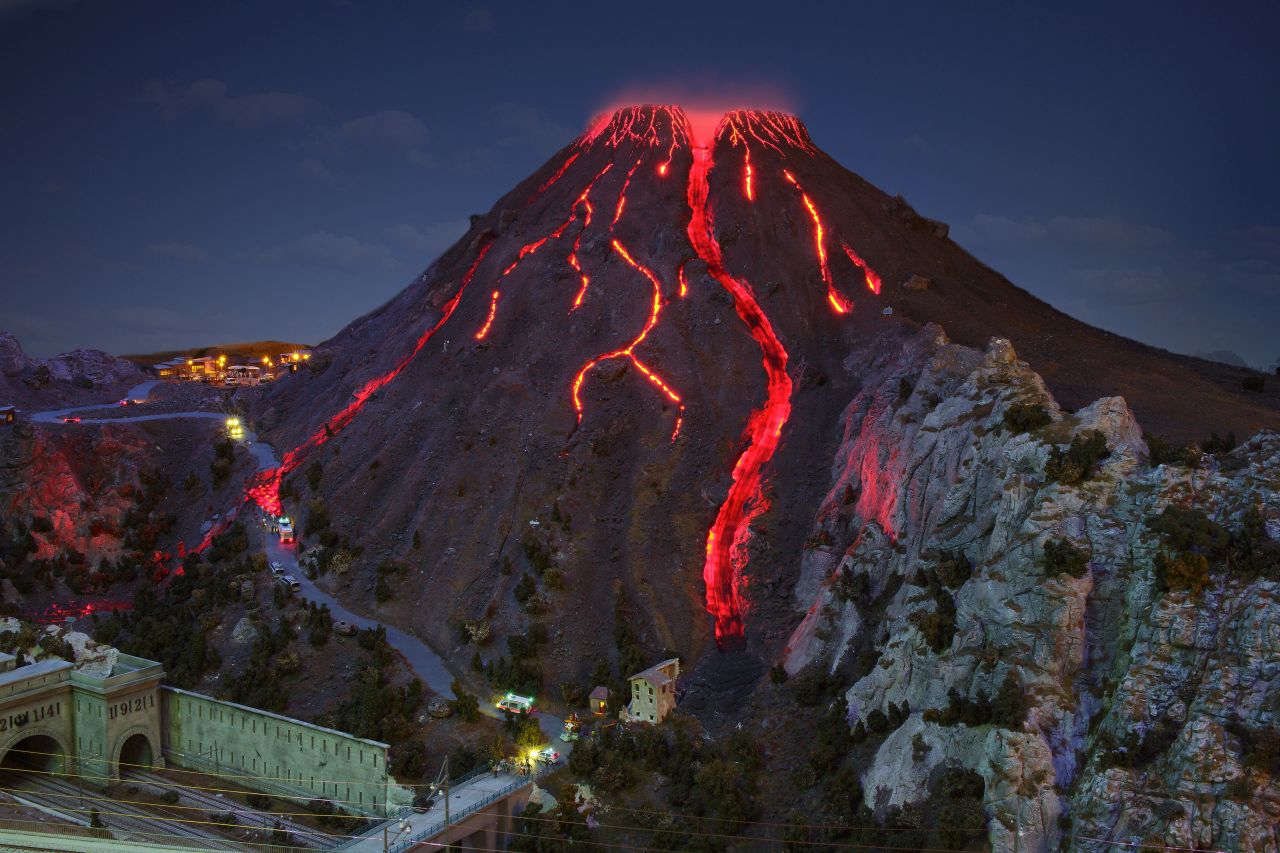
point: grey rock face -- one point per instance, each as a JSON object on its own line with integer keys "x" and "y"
{"x": 928, "y": 470}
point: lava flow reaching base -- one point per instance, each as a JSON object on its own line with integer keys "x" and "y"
{"x": 721, "y": 572}
{"x": 623, "y": 153}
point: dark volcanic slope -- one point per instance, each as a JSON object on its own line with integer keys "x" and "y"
{"x": 700, "y": 293}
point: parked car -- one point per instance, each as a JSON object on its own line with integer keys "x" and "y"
{"x": 344, "y": 628}
{"x": 276, "y": 568}
{"x": 516, "y": 704}
{"x": 548, "y": 754}
{"x": 423, "y": 803}
{"x": 71, "y": 419}
{"x": 289, "y": 581}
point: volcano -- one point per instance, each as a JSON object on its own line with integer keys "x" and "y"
{"x": 617, "y": 396}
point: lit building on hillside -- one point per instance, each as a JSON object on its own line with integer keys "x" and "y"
{"x": 653, "y": 693}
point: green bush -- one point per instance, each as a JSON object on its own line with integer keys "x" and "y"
{"x": 1078, "y": 462}
{"x": 1026, "y": 417}
{"x": 1189, "y": 530}
{"x": 954, "y": 569}
{"x": 1063, "y": 558}
{"x": 464, "y": 704}
{"x": 1214, "y": 444}
{"x": 1189, "y": 572}
{"x": 1162, "y": 452}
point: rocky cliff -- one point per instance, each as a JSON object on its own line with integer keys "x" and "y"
{"x": 1111, "y": 670}
{"x": 80, "y": 376}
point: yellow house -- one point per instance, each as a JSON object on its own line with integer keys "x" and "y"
{"x": 653, "y": 693}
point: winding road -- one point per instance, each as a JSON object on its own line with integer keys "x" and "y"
{"x": 421, "y": 658}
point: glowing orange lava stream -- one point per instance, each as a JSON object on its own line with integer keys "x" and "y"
{"x": 726, "y": 540}
{"x": 264, "y": 488}
{"x": 835, "y": 297}
{"x": 628, "y": 352}
{"x": 873, "y": 280}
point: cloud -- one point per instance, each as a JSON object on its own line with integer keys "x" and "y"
{"x": 476, "y": 19}
{"x": 1107, "y": 232}
{"x": 309, "y": 167}
{"x": 433, "y": 239}
{"x": 323, "y": 249}
{"x": 916, "y": 142}
{"x": 1100, "y": 232}
{"x": 527, "y": 126}
{"x": 1253, "y": 275}
{"x": 388, "y": 132}
{"x": 1001, "y": 229}
{"x": 188, "y": 252}
{"x": 1263, "y": 239}
{"x": 210, "y": 97}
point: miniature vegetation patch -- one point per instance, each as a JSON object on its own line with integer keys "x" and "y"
{"x": 1079, "y": 461}
{"x": 1026, "y": 417}
{"x": 938, "y": 624}
{"x": 1062, "y": 558}
{"x": 1193, "y": 546}
{"x": 1006, "y": 708}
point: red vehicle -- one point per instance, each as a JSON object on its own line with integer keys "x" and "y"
{"x": 71, "y": 419}
{"x": 127, "y": 402}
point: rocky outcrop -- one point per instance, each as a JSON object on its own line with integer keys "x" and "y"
{"x": 78, "y": 376}
{"x": 942, "y": 612}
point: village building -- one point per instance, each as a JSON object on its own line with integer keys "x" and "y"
{"x": 653, "y": 693}
{"x": 243, "y": 374}
{"x": 174, "y": 368}
{"x": 599, "y": 701}
{"x": 8, "y": 415}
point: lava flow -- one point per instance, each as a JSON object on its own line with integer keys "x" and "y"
{"x": 727, "y": 538}
{"x": 837, "y": 299}
{"x": 264, "y": 488}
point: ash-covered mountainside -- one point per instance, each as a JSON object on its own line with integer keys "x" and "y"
{"x": 621, "y": 390}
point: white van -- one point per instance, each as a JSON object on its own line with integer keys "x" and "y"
{"x": 291, "y": 582}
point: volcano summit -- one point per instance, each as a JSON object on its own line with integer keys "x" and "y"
{"x": 620, "y": 392}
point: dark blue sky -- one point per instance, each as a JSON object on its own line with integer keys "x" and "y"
{"x": 196, "y": 172}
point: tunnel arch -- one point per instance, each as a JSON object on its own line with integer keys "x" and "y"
{"x": 38, "y": 751}
{"x": 135, "y": 750}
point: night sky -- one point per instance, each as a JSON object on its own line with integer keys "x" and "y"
{"x": 187, "y": 173}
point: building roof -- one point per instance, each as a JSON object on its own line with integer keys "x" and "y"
{"x": 658, "y": 674}
{"x": 32, "y": 670}
{"x": 600, "y": 692}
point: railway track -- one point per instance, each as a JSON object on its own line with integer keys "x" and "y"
{"x": 125, "y": 818}
{"x": 303, "y": 836}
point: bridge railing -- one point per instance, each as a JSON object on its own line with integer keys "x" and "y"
{"x": 438, "y": 827}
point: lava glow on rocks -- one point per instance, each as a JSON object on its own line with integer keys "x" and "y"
{"x": 656, "y": 135}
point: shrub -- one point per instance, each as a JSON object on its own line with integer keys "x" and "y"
{"x": 1188, "y": 572}
{"x": 1190, "y": 530}
{"x": 1063, "y": 558}
{"x": 464, "y": 704}
{"x": 1257, "y": 384}
{"x": 1162, "y": 452}
{"x": 954, "y": 569}
{"x": 778, "y": 674}
{"x": 1026, "y": 417}
{"x": 1214, "y": 444}
{"x": 1077, "y": 463}
{"x": 261, "y": 802}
